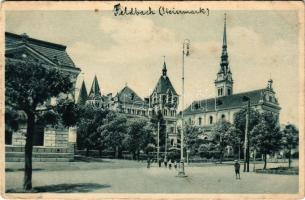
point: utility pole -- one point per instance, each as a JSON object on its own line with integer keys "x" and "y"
{"x": 158, "y": 142}
{"x": 246, "y": 144}
{"x": 185, "y": 52}
{"x": 165, "y": 153}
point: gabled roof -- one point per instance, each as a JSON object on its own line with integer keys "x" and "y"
{"x": 164, "y": 85}
{"x": 226, "y": 102}
{"x": 127, "y": 95}
{"x": 95, "y": 92}
{"x": 55, "y": 53}
{"x": 83, "y": 95}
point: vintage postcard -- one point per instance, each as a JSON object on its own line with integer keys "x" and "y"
{"x": 152, "y": 100}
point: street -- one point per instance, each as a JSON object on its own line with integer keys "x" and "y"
{"x": 123, "y": 176}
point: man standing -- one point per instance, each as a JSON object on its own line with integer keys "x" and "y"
{"x": 237, "y": 169}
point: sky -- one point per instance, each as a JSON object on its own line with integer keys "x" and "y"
{"x": 130, "y": 50}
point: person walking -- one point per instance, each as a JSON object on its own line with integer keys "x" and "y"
{"x": 160, "y": 162}
{"x": 175, "y": 164}
{"x": 148, "y": 162}
{"x": 165, "y": 162}
{"x": 170, "y": 164}
{"x": 237, "y": 169}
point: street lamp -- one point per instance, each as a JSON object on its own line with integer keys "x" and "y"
{"x": 246, "y": 143}
{"x": 185, "y": 52}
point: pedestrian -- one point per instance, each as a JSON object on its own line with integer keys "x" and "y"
{"x": 165, "y": 162}
{"x": 160, "y": 162}
{"x": 175, "y": 164}
{"x": 148, "y": 162}
{"x": 237, "y": 169}
{"x": 170, "y": 164}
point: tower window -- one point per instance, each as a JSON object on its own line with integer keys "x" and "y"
{"x": 229, "y": 91}
{"x": 223, "y": 117}
{"x": 211, "y": 119}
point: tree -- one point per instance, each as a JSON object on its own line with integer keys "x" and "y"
{"x": 28, "y": 86}
{"x": 191, "y": 138}
{"x": 114, "y": 130}
{"x": 89, "y": 120}
{"x": 290, "y": 139}
{"x": 240, "y": 124}
{"x": 139, "y": 136}
{"x": 223, "y": 135}
{"x": 158, "y": 118}
{"x": 240, "y": 121}
{"x": 266, "y": 135}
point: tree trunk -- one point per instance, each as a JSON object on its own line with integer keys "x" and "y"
{"x": 138, "y": 155}
{"x": 87, "y": 151}
{"x": 116, "y": 152}
{"x": 27, "y": 182}
{"x": 265, "y": 160}
{"x": 289, "y": 159}
{"x": 100, "y": 152}
{"x": 220, "y": 157}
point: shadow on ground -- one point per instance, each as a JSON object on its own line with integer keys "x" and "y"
{"x": 21, "y": 169}
{"x": 64, "y": 188}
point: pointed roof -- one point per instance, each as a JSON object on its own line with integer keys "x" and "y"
{"x": 164, "y": 84}
{"x": 224, "y": 63}
{"x": 164, "y": 70}
{"x": 83, "y": 95}
{"x": 127, "y": 95}
{"x": 95, "y": 91}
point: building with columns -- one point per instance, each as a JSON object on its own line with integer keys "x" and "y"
{"x": 206, "y": 112}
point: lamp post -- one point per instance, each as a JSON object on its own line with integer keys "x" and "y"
{"x": 246, "y": 143}
{"x": 185, "y": 52}
{"x": 158, "y": 141}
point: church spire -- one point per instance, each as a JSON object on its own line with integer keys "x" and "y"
{"x": 224, "y": 81}
{"x": 95, "y": 88}
{"x": 164, "y": 70}
{"x": 83, "y": 95}
{"x": 224, "y": 64}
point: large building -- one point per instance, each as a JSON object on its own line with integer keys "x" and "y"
{"x": 164, "y": 99}
{"x": 206, "y": 112}
{"x": 51, "y": 143}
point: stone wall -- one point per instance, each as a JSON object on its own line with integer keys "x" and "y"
{"x": 56, "y": 137}
{"x": 56, "y": 147}
{"x": 40, "y": 154}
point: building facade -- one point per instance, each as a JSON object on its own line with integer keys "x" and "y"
{"x": 164, "y": 99}
{"x": 206, "y": 112}
{"x": 53, "y": 141}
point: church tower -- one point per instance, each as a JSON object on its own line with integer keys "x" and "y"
{"x": 95, "y": 96}
{"x": 224, "y": 81}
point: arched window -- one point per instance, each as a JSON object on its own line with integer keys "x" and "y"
{"x": 223, "y": 117}
{"x": 211, "y": 119}
{"x": 199, "y": 121}
{"x": 169, "y": 97}
{"x": 229, "y": 91}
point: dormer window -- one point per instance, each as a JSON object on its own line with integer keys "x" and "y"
{"x": 132, "y": 96}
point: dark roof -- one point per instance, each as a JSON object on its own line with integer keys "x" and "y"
{"x": 95, "y": 92}
{"x": 127, "y": 95}
{"x": 225, "y": 102}
{"x": 49, "y": 50}
{"x": 83, "y": 95}
{"x": 163, "y": 85}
